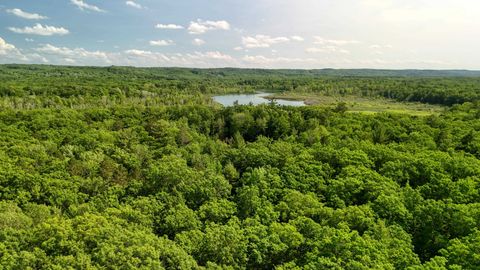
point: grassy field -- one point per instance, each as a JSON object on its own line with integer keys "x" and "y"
{"x": 357, "y": 104}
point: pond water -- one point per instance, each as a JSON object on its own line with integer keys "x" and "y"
{"x": 255, "y": 99}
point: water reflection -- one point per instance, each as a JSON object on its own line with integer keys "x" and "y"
{"x": 254, "y": 99}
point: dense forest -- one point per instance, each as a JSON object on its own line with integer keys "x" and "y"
{"x": 137, "y": 168}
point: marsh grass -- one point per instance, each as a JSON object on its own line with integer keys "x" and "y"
{"x": 365, "y": 105}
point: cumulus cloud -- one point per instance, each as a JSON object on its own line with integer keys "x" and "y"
{"x": 148, "y": 54}
{"x": 35, "y": 57}
{"x": 138, "y": 57}
{"x": 198, "y": 42}
{"x": 263, "y": 61}
{"x": 136, "y": 52}
{"x": 147, "y": 58}
{"x": 133, "y": 4}
{"x": 201, "y": 27}
{"x": 297, "y": 38}
{"x": 262, "y": 41}
{"x": 335, "y": 42}
{"x": 70, "y": 61}
{"x": 168, "y": 26}
{"x": 198, "y": 59}
{"x": 9, "y": 53}
{"x": 327, "y": 49}
{"x": 5, "y": 47}
{"x": 84, "y": 6}
{"x": 29, "y": 16}
{"x": 216, "y": 55}
{"x": 40, "y": 30}
{"x": 331, "y": 46}
{"x": 161, "y": 42}
{"x": 75, "y": 55}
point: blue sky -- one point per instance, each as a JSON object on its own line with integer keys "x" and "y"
{"x": 440, "y": 34}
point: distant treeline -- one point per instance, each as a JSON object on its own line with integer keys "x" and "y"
{"x": 233, "y": 72}
{"x": 75, "y": 85}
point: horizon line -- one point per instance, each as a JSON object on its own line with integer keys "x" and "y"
{"x": 242, "y": 68}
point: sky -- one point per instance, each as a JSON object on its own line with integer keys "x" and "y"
{"x": 305, "y": 34}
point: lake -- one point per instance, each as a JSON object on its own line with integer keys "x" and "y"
{"x": 255, "y": 99}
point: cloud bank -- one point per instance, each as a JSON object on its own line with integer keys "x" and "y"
{"x": 39, "y": 29}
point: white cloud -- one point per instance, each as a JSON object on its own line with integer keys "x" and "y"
{"x": 136, "y": 52}
{"x": 22, "y": 14}
{"x": 152, "y": 56}
{"x": 137, "y": 57}
{"x": 78, "y": 55}
{"x": 168, "y": 26}
{"x": 36, "y": 57}
{"x": 5, "y": 47}
{"x": 216, "y": 55}
{"x": 197, "y": 59}
{"x": 327, "y": 49}
{"x": 161, "y": 42}
{"x": 198, "y": 42}
{"x": 262, "y": 41}
{"x": 263, "y": 61}
{"x": 238, "y": 48}
{"x": 84, "y": 6}
{"x": 335, "y": 42}
{"x": 377, "y": 46}
{"x": 133, "y": 4}
{"x": 40, "y": 30}
{"x": 29, "y": 40}
{"x": 297, "y": 38}
{"x": 201, "y": 27}
{"x": 10, "y": 54}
